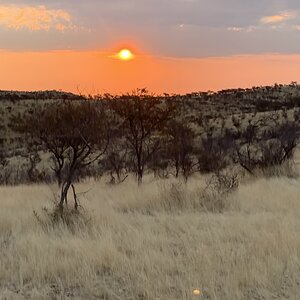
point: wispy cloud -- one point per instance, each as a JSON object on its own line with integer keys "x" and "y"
{"x": 173, "y": 28}
{"x": 279, "y": 18}
{"x": 282, "y": 20}
{"x": 235, "y": 29}
{"x": 35, "y": 18}
{"x": 243, "y": 29}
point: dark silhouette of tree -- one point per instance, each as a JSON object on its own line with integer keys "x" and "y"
{"x": 247, "y": 149}
{"x": 279, "y": 143}
{"x": 215, "y": 150}
{"x": 265, "y": 143}
{"x": 143, "y": 118}
{"x": 180, "y": 148}
{"x": 76, "y": 134}
{"x": 117, "y": 154}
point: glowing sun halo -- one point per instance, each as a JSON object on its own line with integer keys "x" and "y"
{"x": 125, "y": 54}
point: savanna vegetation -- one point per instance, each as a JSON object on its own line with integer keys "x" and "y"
{"x": 139, "y": 196}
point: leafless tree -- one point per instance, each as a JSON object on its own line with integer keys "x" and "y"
{"x": 143, "y": 118}
{"x": 215, "y": 150}
{"x": 180, "y": 148}
{"x": 116, "y": 160}
{"x": 266, "y": 143}
{"x": 76, "y": 135}
{"x": 246, "y": 148}
{"x": 279, "y": 143}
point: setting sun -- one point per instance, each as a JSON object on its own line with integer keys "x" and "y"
{"x": 125, "y": 54}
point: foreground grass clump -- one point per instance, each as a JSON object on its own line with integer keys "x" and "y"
{"x": 138, "y": 248}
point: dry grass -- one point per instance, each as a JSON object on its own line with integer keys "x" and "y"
{"x": 138, "y": 248}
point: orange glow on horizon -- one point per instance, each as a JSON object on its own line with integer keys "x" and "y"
{"x": 91, "y": 72}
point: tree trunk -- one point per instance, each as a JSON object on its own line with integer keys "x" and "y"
{"x": 140, "y": 177}
{"x": 176, "y": 168}
{"x": 75, "y": 197}
{"x": 64, "y": 194}
{"x": 58, "y": 177}
{"x": 140, "y": 170}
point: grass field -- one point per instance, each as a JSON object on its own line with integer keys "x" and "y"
{"x": 134, "y": 246}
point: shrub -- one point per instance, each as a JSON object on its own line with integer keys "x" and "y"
{"x": 71, "y": 219}
{"x": 215, "y": 152}
{"x": 174, "y": 197}
{"x": 215, "y": 196}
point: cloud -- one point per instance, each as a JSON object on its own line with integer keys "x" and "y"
{"x": 243, "y": 29}
{"x": 235, "y": 29}
{"x": 297, "y": 27}
{"x": 34, "y": 18}
{"x": 173, "y": 28}
{"x": 279, "y": 18}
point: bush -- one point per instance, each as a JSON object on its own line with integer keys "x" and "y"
{"x": 223, "y": 183}
{"x": 214, "y": 198}
{"x": 179, "y": 197}
{"x": 71, "y": 219}
{"x": 215, "y": 152}
{"x": 287, "y": 169}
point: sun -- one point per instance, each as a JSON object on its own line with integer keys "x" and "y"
{"x": 125, "y": 54}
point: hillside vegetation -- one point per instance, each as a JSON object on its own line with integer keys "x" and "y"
{"x": 201, "y": 126}
{"x": 143, "y": 197}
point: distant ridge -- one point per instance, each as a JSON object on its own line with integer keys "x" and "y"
{"x": 39, "y": 95}
{"x": 274, "y": 91}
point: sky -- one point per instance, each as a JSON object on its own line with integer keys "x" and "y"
{"x": 180, "y": 46}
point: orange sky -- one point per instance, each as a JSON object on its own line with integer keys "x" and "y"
{"x": 191, "y": 45}
{"x": 96, "y": 72}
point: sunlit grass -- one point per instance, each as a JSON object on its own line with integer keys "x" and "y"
{"x": 250, "y": 251}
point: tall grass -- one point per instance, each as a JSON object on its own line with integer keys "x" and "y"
{"x": 154, "y": 242}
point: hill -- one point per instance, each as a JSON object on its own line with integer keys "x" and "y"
{"x": 203, "y": 113}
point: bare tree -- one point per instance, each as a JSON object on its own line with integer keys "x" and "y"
{"x": 180, "y": 148}
{"x": 74, "y": 133}
{"x": 265, "y": 143}
{"x": 247, "y": 149}
{"x": 215, "y": 150}
{"x": 116, "y": 160}
{"x": 143, "y": 118}
{"x": 282, "y": 141}
{"x": 44, "y": 126}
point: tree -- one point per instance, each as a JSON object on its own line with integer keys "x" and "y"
{"x": 215, "y": 150}
{"x": 265, "y": 143}
{"x": 116, "y": 158}
{"x": 282, "y": 141}
{"x": 5, "y": 170}
{"x": 44, "y": 126}
{"x": 143, "y": 118}
{"x": 247, "y": 148}
{"x": 75, "y": 133}
{"x": 180, "y": 148}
